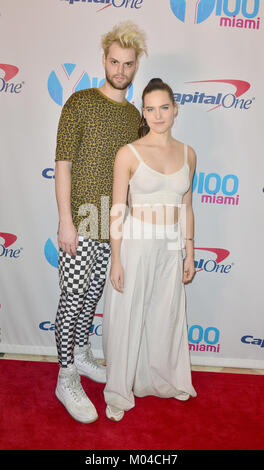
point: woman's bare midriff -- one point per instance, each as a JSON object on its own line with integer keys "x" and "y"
{"x": 158, "y": 214}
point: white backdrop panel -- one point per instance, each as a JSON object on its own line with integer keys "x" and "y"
{"x": 225, "y": 300}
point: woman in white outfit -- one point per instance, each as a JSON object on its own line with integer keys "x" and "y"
{"x": 145, "y": 339}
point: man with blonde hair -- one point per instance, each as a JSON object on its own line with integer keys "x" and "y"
{"x": 94, "y": 124}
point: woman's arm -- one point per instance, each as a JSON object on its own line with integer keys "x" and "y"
{"x": 189, "y": 269}
{"x": 121, "y": 177}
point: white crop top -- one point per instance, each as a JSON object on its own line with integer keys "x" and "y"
{"x": 148, "y": 186}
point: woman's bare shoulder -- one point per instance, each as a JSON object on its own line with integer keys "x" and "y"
{"x": 139, "y": 142}
{"x": 125, "y": 155}
{"x": 191, "y": 155}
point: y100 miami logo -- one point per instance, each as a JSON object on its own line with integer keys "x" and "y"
{"x": 228, "y": 100}
{"x": 7, "y": 250}
{"x": 204, "y": 339}
{"x": 211, "y": 260}
{"x": 7, "y": 84}
{"x": 216, "y": 189}
{"x": 134, "y": 4}
{"x": 51, "y": 253}
{"x": 69, "y": 78}
{"x": 227, "y": 10}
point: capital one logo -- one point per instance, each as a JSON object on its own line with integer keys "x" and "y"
{"x": 7, "y": 73}
{"x": 69, "y": 78}
{"x": 199, "y": 11}
{"x": 132, "y": 4}
{"x": 208, "y": 264}
{"x": 96, "y": 328}
{"x": 8, "y": 241}
{"x": 220, "y": 99}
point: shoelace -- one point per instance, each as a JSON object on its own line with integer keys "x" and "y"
{"x": 92, "y": 361}
{"x": 76, "y": 389}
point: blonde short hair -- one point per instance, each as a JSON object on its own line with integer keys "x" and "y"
{"x": 127, "y": 35}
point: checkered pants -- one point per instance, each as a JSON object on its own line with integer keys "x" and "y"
{"x": 82, "y": 279}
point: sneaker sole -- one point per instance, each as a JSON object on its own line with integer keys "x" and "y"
{"x": 80, "y": 420}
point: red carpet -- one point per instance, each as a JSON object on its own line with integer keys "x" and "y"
{"x": 227, "y": 414}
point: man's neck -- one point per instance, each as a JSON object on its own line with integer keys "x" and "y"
{"x": 113, "y": 93}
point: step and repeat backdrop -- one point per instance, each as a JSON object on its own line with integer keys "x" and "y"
{"x": 209, "y": 51}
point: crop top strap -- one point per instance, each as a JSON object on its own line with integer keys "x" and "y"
{"x": 185, "y": 154}
{"x": 135, "y": 152}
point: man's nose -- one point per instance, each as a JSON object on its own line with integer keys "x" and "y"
{"x": 120, "y": 69}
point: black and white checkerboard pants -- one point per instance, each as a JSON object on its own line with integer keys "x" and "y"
{"x": 82, "y": 279}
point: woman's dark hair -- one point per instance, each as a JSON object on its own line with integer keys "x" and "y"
{"x": 153, "y": 85}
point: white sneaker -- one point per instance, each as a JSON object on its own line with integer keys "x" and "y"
{"x": 70, "y": 393}
{"x": 113, "y": 413}
{"x": 87, "y": 365}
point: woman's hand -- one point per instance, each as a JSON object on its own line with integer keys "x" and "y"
{"x": 188, "y": 270}
{"x": 117, "y": 276}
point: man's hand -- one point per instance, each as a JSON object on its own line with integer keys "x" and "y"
{"x": 68, "y": 238}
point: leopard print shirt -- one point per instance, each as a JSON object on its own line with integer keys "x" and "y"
{"x": 92, "y": 128}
